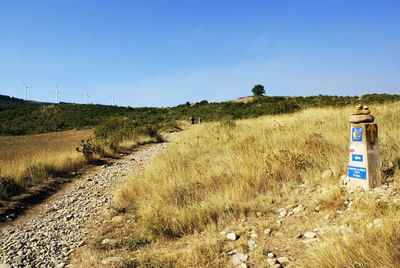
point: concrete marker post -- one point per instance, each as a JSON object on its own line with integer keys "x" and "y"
{"x": 364, "y": 162}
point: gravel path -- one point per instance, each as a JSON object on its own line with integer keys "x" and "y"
{"x": 47, "y": 239}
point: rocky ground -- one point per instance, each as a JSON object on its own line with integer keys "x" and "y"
{"x": 48, "y": 238}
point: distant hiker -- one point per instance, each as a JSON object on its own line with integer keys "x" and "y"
{"x": 200, "y": 120}
{"x": 192, "y": 120}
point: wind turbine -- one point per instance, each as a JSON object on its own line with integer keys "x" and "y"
{"x": 86, "y": 95}
{"x": 57, "y": 93}
{"x": 26, "y": 91}
{"x": 112, "y": 99}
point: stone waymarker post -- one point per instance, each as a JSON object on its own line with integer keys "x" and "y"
{"x": 363, "y": 169}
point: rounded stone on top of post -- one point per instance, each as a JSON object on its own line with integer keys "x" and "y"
{"x": 361, "y": 115}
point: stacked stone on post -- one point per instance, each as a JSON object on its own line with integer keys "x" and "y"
{"x": 361, "y": 115}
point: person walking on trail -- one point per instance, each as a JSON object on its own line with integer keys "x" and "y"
{"x": 192, "y": 120}
{"x": 200, "y": 120}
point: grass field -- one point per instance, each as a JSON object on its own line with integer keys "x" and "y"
{"x": 16, "y": 148}
{"x": 27, "y": 159}
{"x": 236, "y": 175}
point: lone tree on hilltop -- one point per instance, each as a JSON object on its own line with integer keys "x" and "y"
{"x": 258, "y": 90}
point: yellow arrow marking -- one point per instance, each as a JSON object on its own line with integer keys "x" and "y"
{"x": 357, "y": 157}
{"x": 372, "y": 130}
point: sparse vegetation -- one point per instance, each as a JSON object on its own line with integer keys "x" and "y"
{"x": 18, "y": 117}
{"x": 118, "y": 133}
{"x": 235, "y": 175}
{"x": 221, "y": 177}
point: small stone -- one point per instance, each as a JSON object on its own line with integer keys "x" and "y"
{"x": 355, "y": 119}
{"x": 298, "y": 209}
{"x": 243, "y": 265}
{"x": 222, "y": 233}
{"x": 259, "y": 214}
{"x": 109, "y": 241}
{"x": 239, "y": 258}
{"x": 378, "y": 223}
{"x": 317, "y": 208}
{"x": 270, "y": 255}
{"x": 283, "y": 260}
{"x": 361, "y": 112}
{"x": 117, "y": 219}
{"x": 327, "y": 216}
{"x": 327, "y": 174}
{"x": 252, "y": 244}
{"x": 310, "y": 235}
{"x": 253, "y": 235}
{"x": 283, "y": 213}
{"x": 232, "y": 252}
{"x": 267, "y": 231}
{"x": 279, "y": 222}
{"x": 61, "y": 265}
{"x": 110, "y": 260}
{"x": 271, "y": 261}
{"x": 290, "y": 214}
{"x": 231, "y": 236}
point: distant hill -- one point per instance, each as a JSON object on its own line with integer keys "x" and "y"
{"x": 245, "y": 99}
{"x": 19, "y": 117}
{"x": 9, "y": 103}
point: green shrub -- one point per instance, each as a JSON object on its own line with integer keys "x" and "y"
{"x": 89, "y": 150}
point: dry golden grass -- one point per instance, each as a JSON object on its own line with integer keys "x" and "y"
{"x": 219, "y": 176}
{"x": 14, "y": 148}
{"x": 28, "y": 159}
{"x": 245, "y": 99}
{"x": 215, "y": 170}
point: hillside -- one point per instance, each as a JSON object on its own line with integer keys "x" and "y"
{"x": 256, "y": 193}
{"x": 18, "y": 117}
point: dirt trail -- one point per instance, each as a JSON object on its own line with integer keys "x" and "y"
{"x": 48, "y": 234}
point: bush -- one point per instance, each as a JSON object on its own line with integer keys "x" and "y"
{"x": 116, "y": 130}
{"x": 89, "y": 150}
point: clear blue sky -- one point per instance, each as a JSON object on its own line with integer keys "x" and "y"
{"x": 164, "y": 53}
